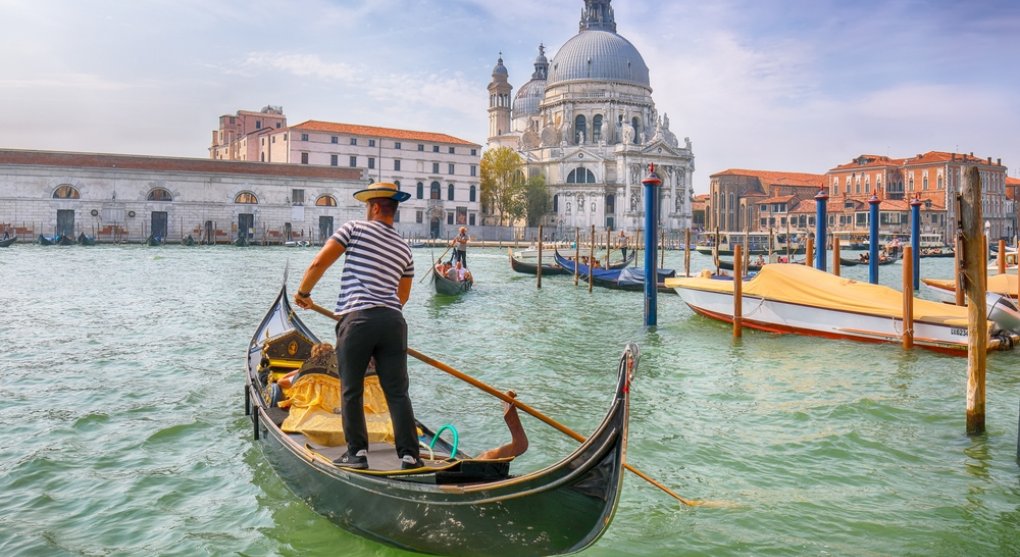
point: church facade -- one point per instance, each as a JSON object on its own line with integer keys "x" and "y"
{"x": 586, "y": 122}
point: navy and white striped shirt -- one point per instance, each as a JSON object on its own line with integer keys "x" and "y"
{"x": 377, "y": 258}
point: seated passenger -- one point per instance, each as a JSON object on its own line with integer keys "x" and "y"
{"x": 322, "y": 360}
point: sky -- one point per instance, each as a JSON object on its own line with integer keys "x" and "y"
{"x": 796, "y": 85}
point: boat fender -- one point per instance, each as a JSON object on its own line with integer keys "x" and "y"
{"x": 456, "y": 439}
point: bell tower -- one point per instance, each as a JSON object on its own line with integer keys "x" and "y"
{"x": 499, "y": 100}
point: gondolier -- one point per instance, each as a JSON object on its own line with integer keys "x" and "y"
{"x": 374, "y": 286}
{"x": 459, "y": 244}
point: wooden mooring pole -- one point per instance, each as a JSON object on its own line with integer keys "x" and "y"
{"x": 591, "y": 260}
{"x": 810, "y": 252}
{"x": 538, "y": 269}
{"x": 577, "y": 252}
{"x": 974, "y": 268}
{"x": 1002, "y": 257}
{"x": 835, "y": 255}
{"x": 687, "y": 253}
{"x": 738, "y": 291}
{"x": 908, "y": 298}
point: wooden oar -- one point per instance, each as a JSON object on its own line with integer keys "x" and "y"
{"x": 528, "y": 409}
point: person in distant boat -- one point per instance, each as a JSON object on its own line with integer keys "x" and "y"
{"x": 864, "y": 257}
{"x": 623, "y": 244}
{"x": 374, "y": 286}
{"x": 760, "y": 261}
{"x": 459, "y": 244}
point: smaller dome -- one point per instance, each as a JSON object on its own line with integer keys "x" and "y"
{"x": 500, "y": 69}
{"x": 528, "y": 97}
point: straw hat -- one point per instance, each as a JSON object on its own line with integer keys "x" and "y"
{"x": 381, "y": 190}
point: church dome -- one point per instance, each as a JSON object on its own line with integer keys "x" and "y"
{"x": 528, "y": 98}
{"x": 599, "y": 56}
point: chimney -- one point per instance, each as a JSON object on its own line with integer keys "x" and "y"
{"x": 952, "y": 156}
{"x": 989, "y": 160}
{"x": 998, "y": 161}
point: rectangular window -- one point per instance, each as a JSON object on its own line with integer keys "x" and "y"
{"x": 435, "y": 148}
{"x": 471, "y": 219}
{"x": 371, "y": 162}
{"x": 354, "y": 162}
{"x": 304, "y": 158}
{"x": 450, "y": 167}
{"x": 354, "y": 141}
{"x": 435, "y": 168}
{"x": 396, "y": 145}
{"x": 452, "y": 151}
{"x": 396, "y": 164}
{"x": 449, "y": 217}
{"x": 421, "y": 147}
{"x": 334, "y": 139}
{"x": 304, "y": 137}
{"x": 297, "y": 197}
{"x": 371, "y": 143}
{"x": 333, "y": 160}
{"x": 418, "y": 216}
{"x": 474, "y": 170}
{"x": 474, "y": 152}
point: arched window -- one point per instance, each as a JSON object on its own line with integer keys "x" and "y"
{"x": 556, "y": 203}
{"x": 580, "y": 129}
{"x": 159, "y": 194}
{"x": 596, "y": 128}
{"x": 421, "y": 190}
{"x": 911, "y": 184}
{"x": 472, "y": 193}
{"x": 938, "y": 181}
{"x": 247, "y": 198}
{"x": 924, "y": 182}
{"x": 637, "y": 128}
{"x": 581, "y": 176}
{"x": 867, "y": 184}
{"x": 449, "y": 192}
{"x": 435, "y": 191}
{"x": 325, "y": 201}
{"x": 66, "y": 192}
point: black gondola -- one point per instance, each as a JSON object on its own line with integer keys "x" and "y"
{"x": 6, "y": 242}
{"x": 554, "y": 268}
{"x": 44, "y": 241}
{"x": 154, "y": 240}
{"x": 449, "y": 287}
{"x": 728, "y": 266}
{"x": 627, "y": 278}
{"x": 188, "y": 240}
{"x": 84, "y": 240}
{"x": 242, "y": 241}
{"x": 57, "y": 240}
{"x": 454, "y": 506}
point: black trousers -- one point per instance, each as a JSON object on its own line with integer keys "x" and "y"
{"x": 379, "y": 333}
{"x": 460, "y": 255}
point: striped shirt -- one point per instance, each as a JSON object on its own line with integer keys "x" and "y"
{"x": 377, "y": 258}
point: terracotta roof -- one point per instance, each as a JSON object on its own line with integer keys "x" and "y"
{"x": 779, "y": 178}
{"x": 780, "y": 199}
{"x": 355, "y": 129}
{"x": 868, "y": 161}
{"x": 941, "y": 156}
{"x": 805, "y": 206}
{"x": 1012, "y": 184}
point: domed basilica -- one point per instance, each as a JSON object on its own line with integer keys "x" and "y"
{"x": 586, "y": 121}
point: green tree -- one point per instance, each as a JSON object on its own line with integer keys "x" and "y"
{"x": 503, "y": 186}
{"x": 537, "y": 199}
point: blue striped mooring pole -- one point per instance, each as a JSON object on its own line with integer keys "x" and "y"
{"x": 651, "y": 183}
{"x": 873, "y": 239}
{"x": 821, "y": 220}
{"x": 915, "y": 238}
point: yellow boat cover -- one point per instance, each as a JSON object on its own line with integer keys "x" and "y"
{"x": 1003, "y": 285}
{"x": 314, "y": 401}
{"x": 807, "y": 286}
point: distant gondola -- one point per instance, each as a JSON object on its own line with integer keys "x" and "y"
{"x": 154, "y": 240}
{"x": 882, "y": 260}
{"x": 455, "y": 505}
{"x": 6, "y": 242}
{"x": 554, "y": 268}
{"x": 57, "y": 240}
{"x": 449, "y": 287}
{"x": 84, "y": 240}
{"x": 728, "y": 266}
{"x": 188, "y": 240}
{"x": 627, "y": 278}
{"x": 242, "y": 241}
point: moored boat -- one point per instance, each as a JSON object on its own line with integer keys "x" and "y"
{"x": 456, "y": 505}
{"x": 84, "y": 240}
{"x": 945, "y": 289}
{"x": 803, "y": 300}
{"x": 626, "y": 278}
{"x": 188, "y": 240}
{"x": 6, "y": 242}
{"x": 154, "y": 240}
{"x": 549, "y": 266}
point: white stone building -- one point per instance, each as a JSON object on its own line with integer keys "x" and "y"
{"x": 440, "y": 171}
{"x": 586, "y": 121}
{"x": 129, "y": 197}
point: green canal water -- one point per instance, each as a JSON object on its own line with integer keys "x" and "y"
{"x": 124, "y": 431}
